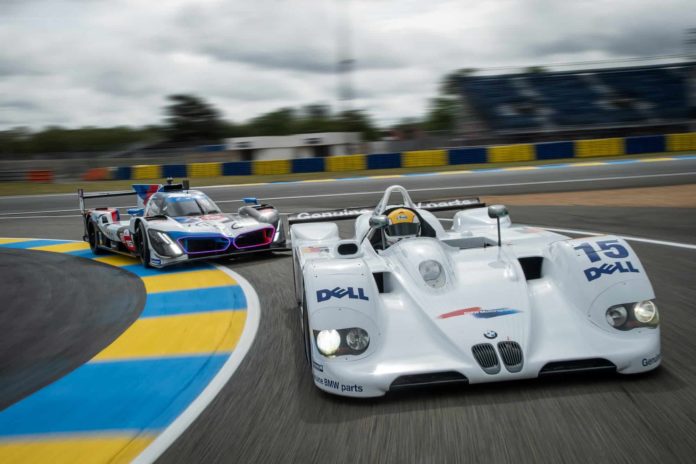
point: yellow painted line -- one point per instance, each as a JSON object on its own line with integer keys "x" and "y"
{"x": 522, "y": 168}
{"x": 13, "y": 240}
{"x": 654, "y": 160}
{"x": 187, "y": 281}
{"x": 449, "y": 173}
{"x": 318, "y": 180}
{"x": 74, "y": 449}
{"x": 64, "y": 247}
{"x": 594, "y": 163}
{"x": 117, "y": 260}
{"x": 188, "y": 334}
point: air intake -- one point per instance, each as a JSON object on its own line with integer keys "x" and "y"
{"x": 577, "y": 366}
{"x": 484, "y": 353}
{"x": 511, "y": 353}
{"x": 431, "y": 379}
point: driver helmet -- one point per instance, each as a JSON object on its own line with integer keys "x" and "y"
{"x": 403, "y": 223}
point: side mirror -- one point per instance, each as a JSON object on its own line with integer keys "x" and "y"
{"x": 136, "y": 211}
{"x": 185, "y": 184}
{"x": 379, "y": 222}
{"x": 497, "y": 211}
{"x": 250, "y": 201}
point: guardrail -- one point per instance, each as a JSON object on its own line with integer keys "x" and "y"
{"x": 408, "y": 159}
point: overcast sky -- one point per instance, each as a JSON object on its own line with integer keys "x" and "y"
{"x": 112, "y": 62}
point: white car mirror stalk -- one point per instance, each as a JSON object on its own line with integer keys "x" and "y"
{"x": 497, "y": 211}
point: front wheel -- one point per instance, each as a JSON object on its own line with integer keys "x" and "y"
{"x": 143, "y": 247}
{"x": 307, "y": 335}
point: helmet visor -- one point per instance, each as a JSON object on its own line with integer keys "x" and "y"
{"x": 402, "y": 229}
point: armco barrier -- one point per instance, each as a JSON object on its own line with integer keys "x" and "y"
{"x": 123, "y": 173}
{"x": 96, "y": 174}
{"x": 681, "y": 142}
{"x": 270, "y": 167}
{"x": 346, "y": 163}
{"x": 174, "y": 170}
{"x": 384, "y": 161}
{"x": 553, "y": 150}
{"x": 409, "y": 159}
{"x": 511, "y": 153}
{"x": 204, "y": 169}
{"x": 423, "y": 158}
{"x": 40, "y": 175}
{"x": 645, "y": 144}
{"x": 12, "y": 175}
{"x": 308, "y": 165}
{"x": 599, "y": 147}
{"x": 236, "y": 168}
{"x": 469, "y": 155}
{"x": 146, "y": 171}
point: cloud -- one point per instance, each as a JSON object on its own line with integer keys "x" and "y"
{"x": 98, "y": 62}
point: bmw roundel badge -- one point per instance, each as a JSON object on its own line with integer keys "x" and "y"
{"x": 491, "y": 334}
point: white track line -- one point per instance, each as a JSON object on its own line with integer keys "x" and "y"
{"x": 186, "y": 418}
{"x": 470, "y": 187}
{"x": 688, "y": 246}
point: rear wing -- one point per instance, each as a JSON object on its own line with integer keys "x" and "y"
{"x": 352, "y": 213}
{"x": 82, "y": 196}
{"x": 143, "y": 191}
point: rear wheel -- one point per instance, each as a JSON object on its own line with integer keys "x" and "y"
{"x": 143, "y": 248}
{"x": 93, "y": 236}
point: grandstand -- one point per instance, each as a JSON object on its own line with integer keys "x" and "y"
{"x": 617, "y": 101}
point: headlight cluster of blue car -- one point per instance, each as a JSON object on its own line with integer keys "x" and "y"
{"x": 633, "y": 315}
{"x": 164, "y": 245}
{"x": 332, "y": 342}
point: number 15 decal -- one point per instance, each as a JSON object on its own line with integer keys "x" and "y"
{"x": 610, "y": 249}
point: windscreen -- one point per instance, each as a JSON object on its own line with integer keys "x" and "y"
{"x": 190, "y": 206}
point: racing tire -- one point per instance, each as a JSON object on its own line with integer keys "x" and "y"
{"x": 94, "y": 239}
{"x": 143, "y": 248}
{"x": 306, "y": 340}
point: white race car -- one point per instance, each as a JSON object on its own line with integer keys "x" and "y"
{"x": 408, "y": 303}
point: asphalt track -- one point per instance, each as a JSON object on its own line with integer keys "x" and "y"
{"x": 57, "y": 314}
{"x": 271, "y": 412}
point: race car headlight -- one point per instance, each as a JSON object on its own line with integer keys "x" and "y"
{"x": 432, "y": 272}
{"x": 645, "y": 312}
{"x": 633, "y": 315}
{"x": 617, "y": 316}
{"x": 351, "y": 341}
{"x": 163, "y": 244}
{"x": 328, "y": 342}
{"x": 357, "y": 339}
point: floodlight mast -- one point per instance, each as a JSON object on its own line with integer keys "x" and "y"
{"x": 345, "y": 62}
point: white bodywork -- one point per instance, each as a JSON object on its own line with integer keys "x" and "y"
{"x": 415, "y": 330}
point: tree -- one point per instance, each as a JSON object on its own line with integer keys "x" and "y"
{"x": 191, "y": 119}
{"x": 442, "y": 115}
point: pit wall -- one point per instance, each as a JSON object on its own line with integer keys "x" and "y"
{"x": 410, "y": 159}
